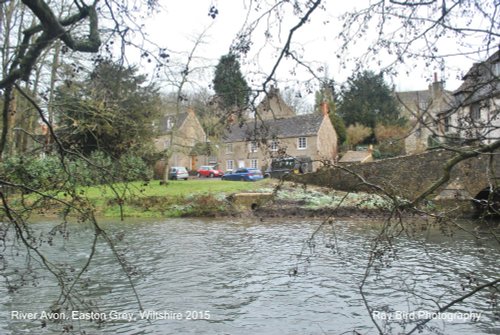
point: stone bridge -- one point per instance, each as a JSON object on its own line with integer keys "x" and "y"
{"x": 409, "y": 176}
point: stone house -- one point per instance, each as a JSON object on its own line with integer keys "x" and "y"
{"x": 181, "y": 134}
{"x": 278, "y": 132}
{"x": 475, "y": 117}
{"x": 423, "y": 109}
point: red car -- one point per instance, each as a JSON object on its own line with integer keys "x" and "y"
{"x": 209, "y": 171}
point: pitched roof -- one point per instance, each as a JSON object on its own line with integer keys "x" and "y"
{"x": 273, "y": 106}
{"x": 167, "y": 122}
{"x": 480, "y": 82}
{"x": 414, "y": 96}
{"x": 300, "y": 125}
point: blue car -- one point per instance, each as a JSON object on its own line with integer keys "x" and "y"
{"x": 244, "y": 174}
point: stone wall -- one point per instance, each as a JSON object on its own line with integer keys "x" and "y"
{"x": 408, "y": 176}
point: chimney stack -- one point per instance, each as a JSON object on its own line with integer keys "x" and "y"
{"x": 437, "y": 86}
{"x": 273, "y": 90}
{"x": 324, "y": 108}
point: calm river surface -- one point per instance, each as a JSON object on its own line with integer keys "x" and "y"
{"x": 246, "y": 276}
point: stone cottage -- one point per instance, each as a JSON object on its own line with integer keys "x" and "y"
{"x": 278, "y": 132}
{"x": 423, "y": 109}
{"x": 180, "y": 135}
{"x": 475, "y": 117}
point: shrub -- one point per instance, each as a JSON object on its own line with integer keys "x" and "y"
{"x": 46, "y": 173}
{"x": 390, "y": 139}
{"x": 357, "y": 133}
{"x": 32, "y": 172}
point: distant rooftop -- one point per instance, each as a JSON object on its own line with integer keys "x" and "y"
{"x": 299, "y": 125}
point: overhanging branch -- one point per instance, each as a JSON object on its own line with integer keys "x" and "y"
{"x": 461, "y": 156}
{"x": 51, "y": 29}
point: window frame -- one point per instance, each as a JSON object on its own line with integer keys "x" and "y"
{"x": 274, "y": 146}
{"x": 475, "y": 111}
{"x": 496, "y": 69}
{"x": 254, "y": 163}
{"x": 252, "y": 146}
{"x": 229, "y": 165}
{"x": 302, "y": 143}
{"x": 447, "y": 124}
{"x": 170, "y": 123}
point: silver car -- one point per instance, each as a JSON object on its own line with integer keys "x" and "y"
{"x": 178, "y": 172}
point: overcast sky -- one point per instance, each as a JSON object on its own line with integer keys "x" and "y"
{"x": 180, "y": 23}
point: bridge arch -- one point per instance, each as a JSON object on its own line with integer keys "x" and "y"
{"x": 487, "y": 201}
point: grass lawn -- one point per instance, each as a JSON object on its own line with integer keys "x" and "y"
{"x": 173, "y": 199}
{"x": 176, "y": 188}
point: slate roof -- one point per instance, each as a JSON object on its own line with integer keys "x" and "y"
{"x": 296, "y": 126}
{"x": 479, "y": 83}
{"x": 414, "y": 96}
{"x": 176, "y": 121}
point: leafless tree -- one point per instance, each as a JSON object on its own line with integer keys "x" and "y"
{"x": 391, "y": 32}
{"x": 393, "y": 36}
{"x": 39, "y": 40}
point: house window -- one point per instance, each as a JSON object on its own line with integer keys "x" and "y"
{"x": 170, "y": 123}
{"x": 252, "y": 146}
{"x": 229, "y": 148}
{"x": 423, "y": 105}
{"x": 447, "y": 124}
{"x": 274, "y": 145}
{"x": 254, "y": 163}
{"x": 475, "y": 112}
{"x": 229, "y": 165}
{"x": 302, "y": 143}
{"x": 496, "y": 69}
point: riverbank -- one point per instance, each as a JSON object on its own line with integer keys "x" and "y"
{"x": 215, "y": 198}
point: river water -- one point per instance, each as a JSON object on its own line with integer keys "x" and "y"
{"x": 252, "y": 276}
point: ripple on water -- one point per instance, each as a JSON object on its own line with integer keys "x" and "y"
{"x": 241, "y": 272}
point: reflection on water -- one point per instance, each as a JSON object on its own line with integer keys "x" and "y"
{"x": 245, "y": 276}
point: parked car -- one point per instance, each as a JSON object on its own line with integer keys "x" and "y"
{"x": 283, "y": 166}
{"x": 209, "y": 171}
{"x": 244, "y": 174}
{"x": 178, "y": 172}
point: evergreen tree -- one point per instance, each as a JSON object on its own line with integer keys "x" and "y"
{"x": 327, "y": 94}
{"x": 366, "y": 99}
{"x": 110, "y": 111}
{"x": 229, "y": 83}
